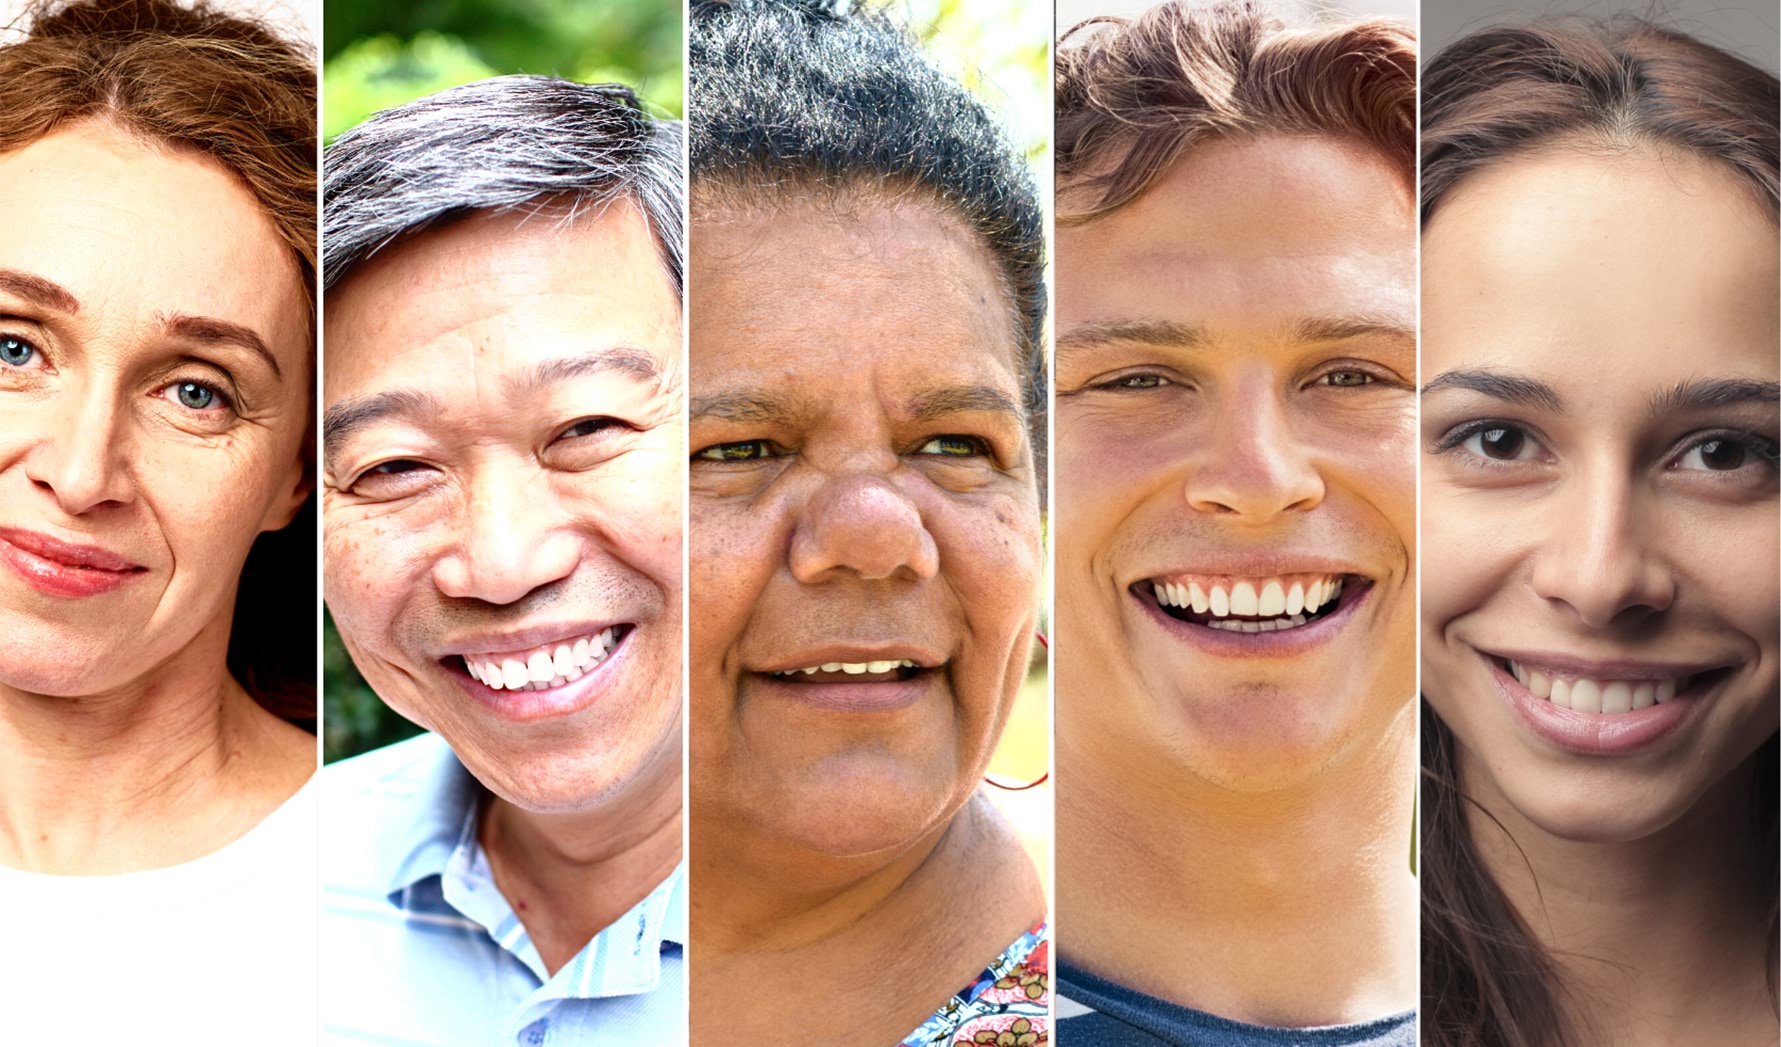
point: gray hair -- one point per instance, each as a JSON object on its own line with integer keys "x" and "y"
{"x": 499, "y": 145}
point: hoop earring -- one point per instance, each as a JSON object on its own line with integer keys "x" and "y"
{"x": 1016, "y": 787}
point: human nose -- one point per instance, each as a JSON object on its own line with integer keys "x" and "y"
{"x": 1250, "y": 463}
{"x": 84, "y": 460}
{"x": 862, "y": 525}
{"x": 509, "y": 545}
{"x": 1598, "y": 558}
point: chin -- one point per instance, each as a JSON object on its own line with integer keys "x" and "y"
{"x": 862, "y": 805}
{"x": 1260, "y": 738}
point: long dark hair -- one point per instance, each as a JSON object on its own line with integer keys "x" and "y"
{"x": 1490, "y": 96}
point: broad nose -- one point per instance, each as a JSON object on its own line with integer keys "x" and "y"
{"x": 862, "y": 525}
{"x": 84, "y": 459}
{"x": 1598, "y": 558}
{"x": 1250, "y": 461}
{"x": 510, "y": 543}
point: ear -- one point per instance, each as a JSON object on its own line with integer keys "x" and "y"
{"x": 294, "y": 488}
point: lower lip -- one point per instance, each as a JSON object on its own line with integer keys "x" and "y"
{"x": 571, "y": 697}
{"x": 59, "y": 579}
{"x": 1597, "y": 734}
{"x": 888, "y": 696}
{"x": 1278, "y": 644}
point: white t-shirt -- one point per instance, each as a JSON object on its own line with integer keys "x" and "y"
{"x": 220, "y": 950}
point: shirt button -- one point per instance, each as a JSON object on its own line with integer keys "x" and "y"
{"x": 536, "y": 1033}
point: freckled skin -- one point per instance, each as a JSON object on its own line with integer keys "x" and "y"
{"x": 851, "y": 534}
{"x": 1242, "y": 452}
{"x": 1612, "y": 278}
{"x": 508, "y": 519}
{"x": 91, "y": 450}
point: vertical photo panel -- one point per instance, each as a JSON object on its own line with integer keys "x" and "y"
{"x": 157, "y": 522}
{"x": 868, "y": 748}
{"x": 1236, "y": 573}
{"x": 503, "y": 430}
{"x": 1600, "y": 518}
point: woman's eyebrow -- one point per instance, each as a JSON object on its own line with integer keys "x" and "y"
{"x": 36, "y": 289}
{"x": 1516, "y": 389}
{"x": 1714, "y": 392}
{"x": 211, "y": 331}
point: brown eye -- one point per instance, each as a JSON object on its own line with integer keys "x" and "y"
{"x": 742, "y": 451}
{"x": 1501, "y": 443}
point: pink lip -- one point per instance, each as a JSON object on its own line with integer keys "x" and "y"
{"x": 65, "y": 569}
{"x": 572, "y": 697}
{"x": 1288, "y": 644}
{"x": 1598, "y": 734}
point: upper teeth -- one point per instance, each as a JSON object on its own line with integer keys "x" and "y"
{"x": 542, "y": 668}
{"x": 1284, "y": 598}
{"x": 1597, "y": 696}
{"x": 853, "y": 668}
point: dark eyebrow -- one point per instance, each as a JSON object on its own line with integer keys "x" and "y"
{"x": 343, "y": 419}
{"x": 934, "y": 403}
{"x": 1515, "y": 389}
{"x": 756, "y": 408}
{"x": 1716, "y": 392}
{"x": 221, "y": 332}
{"x": 625, "y": 359}
{"x": 38, "y": 290}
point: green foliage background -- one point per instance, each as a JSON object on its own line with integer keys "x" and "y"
{"x": 380, "y": 55}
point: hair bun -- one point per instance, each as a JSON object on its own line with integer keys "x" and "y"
{"x": 124, "y": 19}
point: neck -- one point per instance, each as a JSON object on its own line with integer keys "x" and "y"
{"x": 1647, "y": 935}
{"x": 570, "y": 875}
{"x": 1312, "y": 877}
{"x": 87, "y": 783}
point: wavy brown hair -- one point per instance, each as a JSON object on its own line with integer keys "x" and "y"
{"x": 1489, "y": 97}
{"x": 230, "y": 89}
{"x": 1135, "y": 94}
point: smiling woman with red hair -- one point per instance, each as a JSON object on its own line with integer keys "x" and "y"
{"x": 157, "y": 170}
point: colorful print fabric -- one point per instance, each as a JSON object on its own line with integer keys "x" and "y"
{"x": 1006, "y": 1006}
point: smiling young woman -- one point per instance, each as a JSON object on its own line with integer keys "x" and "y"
{"x": 1600, "y": 504}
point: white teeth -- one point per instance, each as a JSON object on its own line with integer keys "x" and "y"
{"x": 1272, "y": 599}
{"x": 1313, "y": 597}
{"x": 1197, "y": 597}
{"x": 544, "y": 668}
{"x": 1295, "y": 599}
{"x": 1220, "y": 601}
{"x": 1243, "y": 599}
{"x": 851, "y": 668}
{"x": 1605, "y": 697}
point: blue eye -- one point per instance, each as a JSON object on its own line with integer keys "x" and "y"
{"x": 15, "y": 352}
{"x": 194, "y": 396}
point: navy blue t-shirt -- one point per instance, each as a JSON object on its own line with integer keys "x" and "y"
{"x": 1094, "y": 1012}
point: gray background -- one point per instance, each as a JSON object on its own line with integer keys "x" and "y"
{"x": 1750, "y": 29}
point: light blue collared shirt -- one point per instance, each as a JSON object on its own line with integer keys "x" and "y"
{"x": 420, "y": 947}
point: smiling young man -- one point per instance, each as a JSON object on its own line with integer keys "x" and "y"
{"x": 1235, "y": 420}
{"x": 502, "y": 432}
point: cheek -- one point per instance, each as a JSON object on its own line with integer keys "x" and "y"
{"x": 371, "y": 560}
{"x": 210, "y": 501}
{"x": 735, "y": 547}
{"x": 1104, "y": 472}
{"x": 636, "y": 511}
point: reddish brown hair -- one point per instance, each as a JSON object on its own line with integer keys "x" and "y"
{"x": 232, "y": 90}
{"x": 1492, "y": 96}
{"x": 1134, "y": 94}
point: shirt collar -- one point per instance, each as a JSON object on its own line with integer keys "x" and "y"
{"x": 442, "y": 798}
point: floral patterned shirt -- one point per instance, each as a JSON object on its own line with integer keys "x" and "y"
{"x": 1006, "y": 1006}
